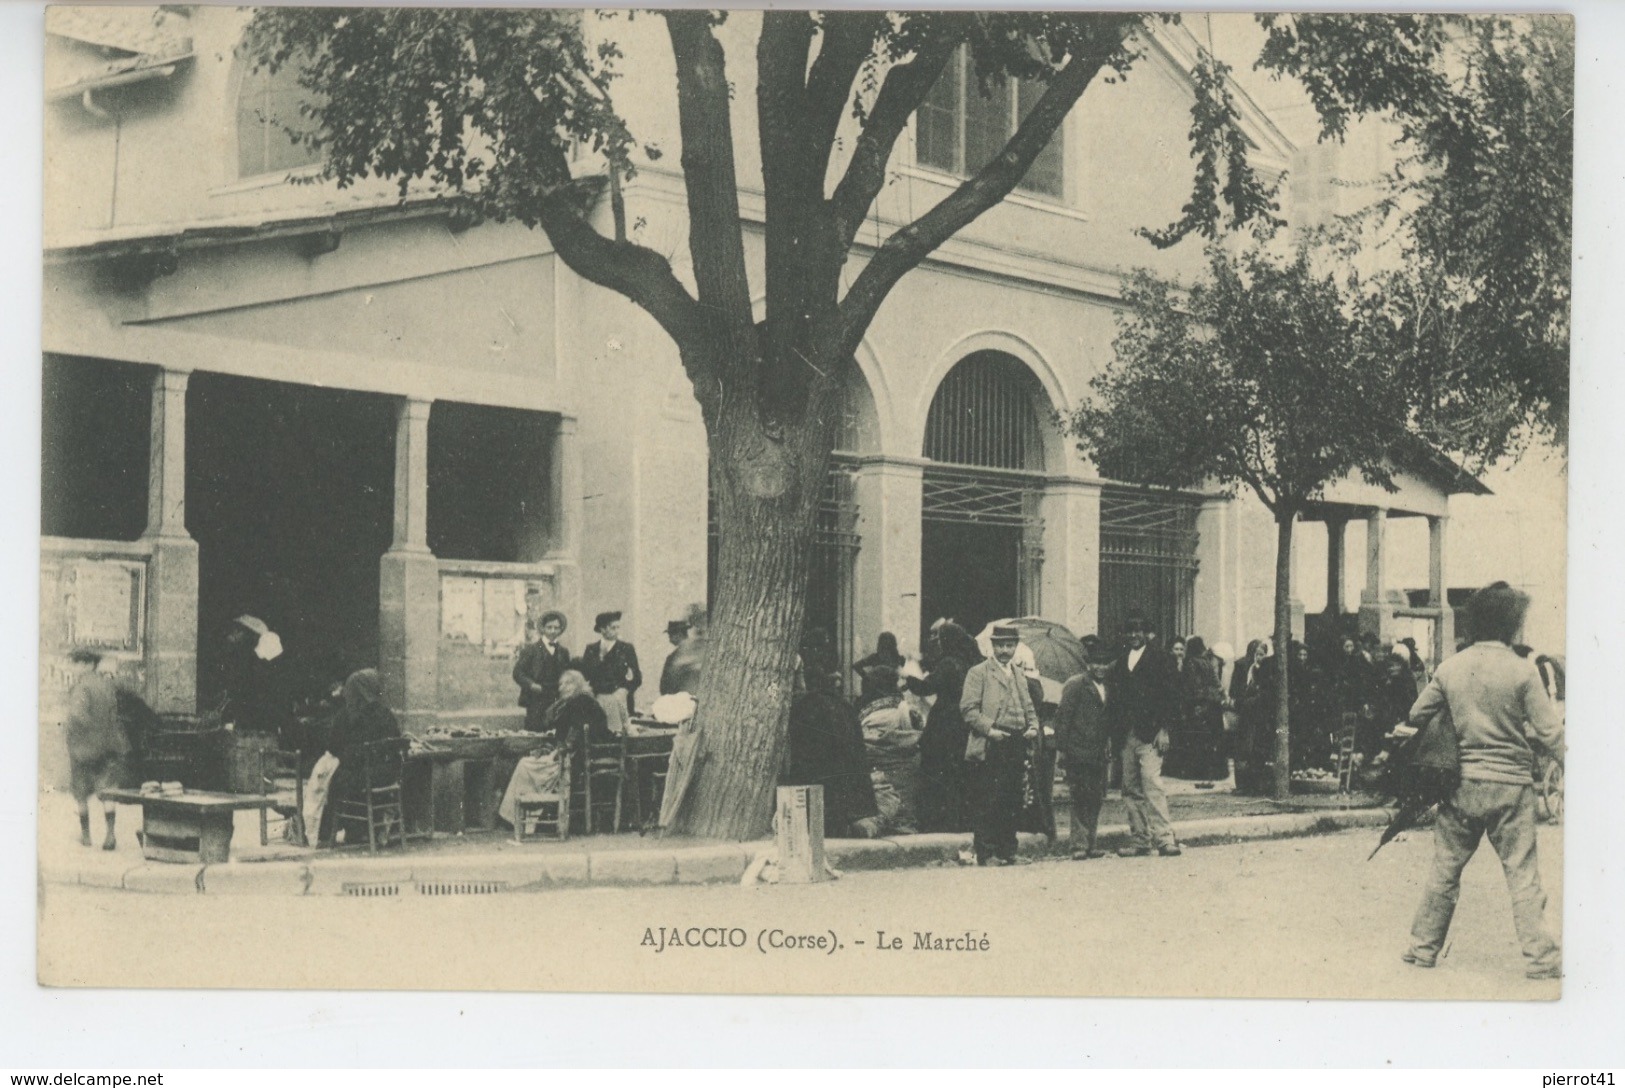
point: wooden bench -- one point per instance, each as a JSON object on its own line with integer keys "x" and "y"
{"x": 194, "y": 826}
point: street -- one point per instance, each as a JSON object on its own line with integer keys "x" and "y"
{"x": 1285, "y": 918}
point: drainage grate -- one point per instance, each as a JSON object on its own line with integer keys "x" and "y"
{"x": 464, "y": 887}
{"x": 371, "y": 890}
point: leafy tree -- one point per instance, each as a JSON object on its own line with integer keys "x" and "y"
{"x": 1264, "y": 376}
{"x": 1476, "y": 287}
{"x": 490, "y": 105}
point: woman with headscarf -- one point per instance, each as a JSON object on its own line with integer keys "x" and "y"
{"x": 827, "y": 749}
{"x": 1306, "y": 719}
{"x": 1252, "y": 687}
{"x": 942, "y": 744}
{"x": 361, "y": 719}
{"x": 254, "y": 696}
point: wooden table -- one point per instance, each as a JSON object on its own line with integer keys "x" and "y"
{"x": 456, "y": 785}
{"x": 193, "y": 826}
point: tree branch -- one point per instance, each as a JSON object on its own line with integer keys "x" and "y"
{"x": 715, "y": 237}
{"x": 901, "y": 93}
{"x": 848, "y": 43}
{"x": 911, "y": 244}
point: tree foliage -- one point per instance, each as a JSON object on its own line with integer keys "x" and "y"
{"x": 1262, "y": 375}
{"x": 1476, "y": 287}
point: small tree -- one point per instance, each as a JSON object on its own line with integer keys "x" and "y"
{"x": 1263, "y": 376}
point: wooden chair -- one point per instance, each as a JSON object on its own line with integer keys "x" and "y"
{"x": 1346, "y": 740}
{"x": 279, "y": 778}
{"x": 379, "y": 804}
{"x": 533, "y": 813}
{"x": 603, "y": 769}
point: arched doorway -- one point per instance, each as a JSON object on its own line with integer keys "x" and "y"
{"x": 981, "y": 540}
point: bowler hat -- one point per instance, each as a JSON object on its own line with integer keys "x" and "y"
{"x": 604, "y": 619}
{"x": 677, "y": 627}
{"x": 1099, "y": 653}
{"x": 1004, "y": 634}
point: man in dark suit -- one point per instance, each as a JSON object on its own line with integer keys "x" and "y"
{"x": 1141, "y": 699}
{"x": 538, "y": 670}
{"x": 611, "y": 665}
{"x": 1083, "y": 736}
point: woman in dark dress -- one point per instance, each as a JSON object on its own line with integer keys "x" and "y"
{"x": 875, "y": 681}
{"x": 942, "y": 743}
{"x": 1354, "y": 684}
{"x": 1204, "y": 699}
{"x": 361, "y": 719}
{"x": 1306, "y": 719}
{"x": 1253, "y": 690}
{"x": 827, "y": 749}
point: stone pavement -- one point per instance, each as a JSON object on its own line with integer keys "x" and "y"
{"x": 492, "y": 861}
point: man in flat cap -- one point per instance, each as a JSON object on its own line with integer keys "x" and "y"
{"x": 1084, "y": 738}
{"x": 999, "y": 711}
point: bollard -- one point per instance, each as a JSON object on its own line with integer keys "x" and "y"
{"x": 801, "y": 835}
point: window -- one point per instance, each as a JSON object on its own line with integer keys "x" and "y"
{"x": 271, "y": 121}
{"x": 960, "y": 130}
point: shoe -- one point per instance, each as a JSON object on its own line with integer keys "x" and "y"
{"x": 1017, "y": 860}
{"x": 1134, "y": 852}
{"x": 1540, "y": 974}
{"x": 1414, "y": 960}
{"x": 1170, "y": 851}
{"x": 1087, "y": 855}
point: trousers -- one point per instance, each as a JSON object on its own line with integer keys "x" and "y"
{"x": 997, "y": 780}
{"x": 1088, "y": 784}
{"x": 1148, "y": 821}
{"x": 1505, "y": 813}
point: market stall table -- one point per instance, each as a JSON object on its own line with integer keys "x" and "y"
{"x": 191, "y": 826}
{"x": 453, "y": 784}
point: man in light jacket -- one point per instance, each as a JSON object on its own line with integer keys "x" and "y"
{"x": 999, "y": 711}
{"x": 1502, "y": 715}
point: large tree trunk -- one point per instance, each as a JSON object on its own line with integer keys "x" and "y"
{"x": 1281, "y": 786}
{"x": 767, "y": 488}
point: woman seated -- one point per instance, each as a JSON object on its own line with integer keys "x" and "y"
{"x": 360, "y": 719}
{"x": 576, "y": 714}
{"x": 827, "y": 749}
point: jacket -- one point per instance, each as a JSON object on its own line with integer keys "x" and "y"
{"x": 1143, "y": 701}
{"x": 994, "y": 702}
{"x": 1082, "y": 732}
{"x": 537, "y": 666}
{"x": 1500, "y": 710}
{"x": 609, "y": 675}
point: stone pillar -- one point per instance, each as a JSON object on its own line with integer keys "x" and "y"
{"x": 1070, "y": 585}
{"x": 1376, "y": 618}
{"x": 566, "y": 487}
{"x": 409, "y": 581}
{"x": 1444, "y": 630}
{"x": 172, "y": 586}
{"x": 1216, "y": 589}
{"x": 887, "y": 575}
{"x": 1335, "y": 563}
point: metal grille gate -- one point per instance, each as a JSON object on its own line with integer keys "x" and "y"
{"x": 1147, "y": 562}
{"x": 985, "y": 497}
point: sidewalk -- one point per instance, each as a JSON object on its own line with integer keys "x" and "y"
{"x": 488, "y": 862}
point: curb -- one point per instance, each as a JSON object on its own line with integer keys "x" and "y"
{"x": 710, "y": 864}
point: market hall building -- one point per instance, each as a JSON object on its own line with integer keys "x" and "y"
{"x": 398, "y": 434}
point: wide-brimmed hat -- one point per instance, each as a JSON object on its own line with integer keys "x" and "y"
{"x": 1004, "y": 634}
{"x": 604, "y": 619}
{"x": 549, "y": 616}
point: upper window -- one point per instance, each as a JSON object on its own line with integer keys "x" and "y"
{"x": 961, "y": 129}
{"x": 271, "y": 122}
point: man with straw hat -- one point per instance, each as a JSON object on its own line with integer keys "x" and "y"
{"x": 999, "y": 712}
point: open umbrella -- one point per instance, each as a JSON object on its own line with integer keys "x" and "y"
{"x": 1057, "y": 653}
